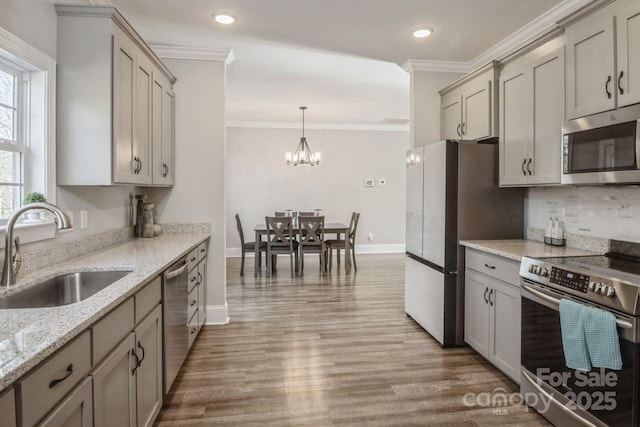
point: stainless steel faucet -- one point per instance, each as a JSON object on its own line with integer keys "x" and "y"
{"x": 61, "y": 219}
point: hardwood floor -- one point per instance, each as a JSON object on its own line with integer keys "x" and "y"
{"x": 334, "y": 350}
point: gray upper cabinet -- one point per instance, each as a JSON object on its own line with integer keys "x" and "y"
{"x": 603, "y": 69}
{"x": 115, "y": 126}
{"x": 532, "y": 100}
{"x": 468, "y": 106}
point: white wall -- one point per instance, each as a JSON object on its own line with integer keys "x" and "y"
{"x": 259, "y": 182}
{"x": 425, "y": 105}
{"x": 199, "y": 191}
{"x": 607, "y": 212}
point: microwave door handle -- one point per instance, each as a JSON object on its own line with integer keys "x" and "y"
{"x": 556, "y": 303}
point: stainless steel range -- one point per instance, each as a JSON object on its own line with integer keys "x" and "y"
{"x": 566, "y": 397}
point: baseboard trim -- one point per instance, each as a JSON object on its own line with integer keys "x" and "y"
{"x": 360, "y": 249}
{"x": 217, "y": 314}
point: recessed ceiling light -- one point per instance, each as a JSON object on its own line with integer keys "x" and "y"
{"x": 225, "y": 18}
{"x": 422, "y": 32}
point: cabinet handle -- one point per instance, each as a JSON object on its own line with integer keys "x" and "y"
{"x": 193, "y": 330}
{"x": 165, "y": 170}
{"x": 619, "y": 85}
{"x": 490, "y": 300}
{"x": 529, "y": 166}
{"x": 55, "y": 382}
{"x": 135, "y": 165}
{"x": 524, "y": 162}
{"x": 203, "y": 250}
{"x": 492, "y": 267}
{"x": 135, "y": 367}
{"x": 140, "y": 165}
{"x": 199, "y": 278}
{"x": 462, "y": 128}
{"x": 486, "y": 301}
{"x": 458, "y": 130}
{"x": 193, "y": 278}
{"x": 192, "y": 259}
{"x": 141, "y": 348}
{"x": 606, "y": 87}
{"x": 194, "y": 302}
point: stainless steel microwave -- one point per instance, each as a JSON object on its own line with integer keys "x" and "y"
{"x": 603, "y": 148}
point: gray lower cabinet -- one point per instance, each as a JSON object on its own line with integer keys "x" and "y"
{"x": 127, "y": 386}
{"x": 149, "y": 372}
{"x": 8, "y": 408}
{"x": 492, "y": 311}
{"x": 114, "y": 386}
{"x": 76, "y": 410}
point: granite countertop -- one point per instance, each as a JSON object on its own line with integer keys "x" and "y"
{"x": 516, "y": 249}
{"x": 28, "y": 336}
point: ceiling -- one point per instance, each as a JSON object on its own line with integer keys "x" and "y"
{"x": 341, "y": 58}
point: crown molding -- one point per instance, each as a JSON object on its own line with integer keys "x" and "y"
{"x": 543, "y": 24}
{"x": 435, "y": 66}
{"x": 194, "y": 53}
{"x": 319, "y": 126}
{"x": 100, "y": 2}
{"x": 23, "y": 54}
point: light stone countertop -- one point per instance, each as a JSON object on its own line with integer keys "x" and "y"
{"x": 516, "y": 249}
{"x": 29, "y": 336}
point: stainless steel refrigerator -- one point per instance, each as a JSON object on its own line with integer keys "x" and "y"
{"x": 452, "y": 195}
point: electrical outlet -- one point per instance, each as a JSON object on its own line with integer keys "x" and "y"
{"x": 382, "y": 181}
{"x": 84, "y": 219}
{"x": 371, "y": 237}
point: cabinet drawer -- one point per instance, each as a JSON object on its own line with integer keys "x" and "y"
{"x": 75, "y": 410}
{"x": 8, "y": 408}
{"x": 148, "y": 298}
{"x": 192, "y": 302}
{"x": 494, "y": 266}
{"x": 193, "y": 328}
{"x": 192, "y": 259}
{"x": 202, "y": 300}
{"x": 112, "y": 329}
{"x": 202, "y": 251}
{"x": 47, "y": 385}
{"x": 192, "y": 279}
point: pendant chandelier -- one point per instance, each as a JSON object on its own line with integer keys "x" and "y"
{"x": 303, "y": 155}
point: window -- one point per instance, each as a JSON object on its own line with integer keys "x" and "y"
{"x": 13, "y": 149}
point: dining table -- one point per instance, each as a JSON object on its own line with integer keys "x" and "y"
{"x": 336, "y": 228}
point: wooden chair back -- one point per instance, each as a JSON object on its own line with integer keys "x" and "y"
{"x": 311, "y": 230}
{"x": 240, "y": 232}
{"x": 277, "y": 213}
{"x": 306, "y": 213}
{"x": 279, "y": 230}
{"x": 353, "y": 226}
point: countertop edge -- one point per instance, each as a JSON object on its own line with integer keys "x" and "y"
{"x": 493, "y": 251}
{"x": 23, "y": 369}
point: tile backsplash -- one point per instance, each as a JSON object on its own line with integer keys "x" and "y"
{"x": 606, "y": 212}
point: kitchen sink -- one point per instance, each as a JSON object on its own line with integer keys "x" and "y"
{"x": 62, "y": 290}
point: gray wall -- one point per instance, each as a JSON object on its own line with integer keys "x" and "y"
{"x": 259, "y": 182}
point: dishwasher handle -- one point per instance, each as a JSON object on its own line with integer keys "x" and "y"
{"x": 176, "y": 271}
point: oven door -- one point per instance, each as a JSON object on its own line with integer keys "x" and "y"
{"x": 603, "y": 148}
{"x": 563, "y": 396}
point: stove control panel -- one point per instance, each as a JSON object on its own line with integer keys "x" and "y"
{"x": 602, "y": 289}
{"x": 571, "y": 280}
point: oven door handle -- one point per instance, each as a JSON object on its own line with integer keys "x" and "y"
{"x": 556, "y": 302}
{"x": 534, "y": 383}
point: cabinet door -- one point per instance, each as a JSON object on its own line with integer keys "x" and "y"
{"x": 476, "y": 312}
{"x": 451, "y": 116}
{"x": 504, "y": 329}
{"x": 76, "y": 410}
{"x": 476, "y": 110}
{"x": 628, "y": 39}
{"x": 202, "y": 292}
{"x": 143, "y": 126}
{"x": 124, "y": 78}
{"x": 590, "y": 74}
{"x": 514, "y": 140}
{"x": 149, "y": 373}
{"x": 168, "y": 135}
{"x": 547, "y": 115}
{"x": 8, "y": 408}
{"x": 114, "y": 395}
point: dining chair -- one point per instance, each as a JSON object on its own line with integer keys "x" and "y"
{"x": 277, "y": 213}
{"x": 311, "y": 232}
{"x": 306, "y": 213}
{"x": 338, "y": 244}
{"x": 248, "y": 246}
{"x": 280, "y": 240}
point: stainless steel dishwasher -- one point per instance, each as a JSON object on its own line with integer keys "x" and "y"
{"x": 174, "y": 313}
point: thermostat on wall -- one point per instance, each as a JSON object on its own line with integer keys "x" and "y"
{"x": 369, "y": 182}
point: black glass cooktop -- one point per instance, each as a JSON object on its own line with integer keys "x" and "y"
{"x": 607, "y": 266}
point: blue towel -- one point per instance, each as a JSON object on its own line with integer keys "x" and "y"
{"x": 602, "y": 339}
{"x": 574, "y": 342}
